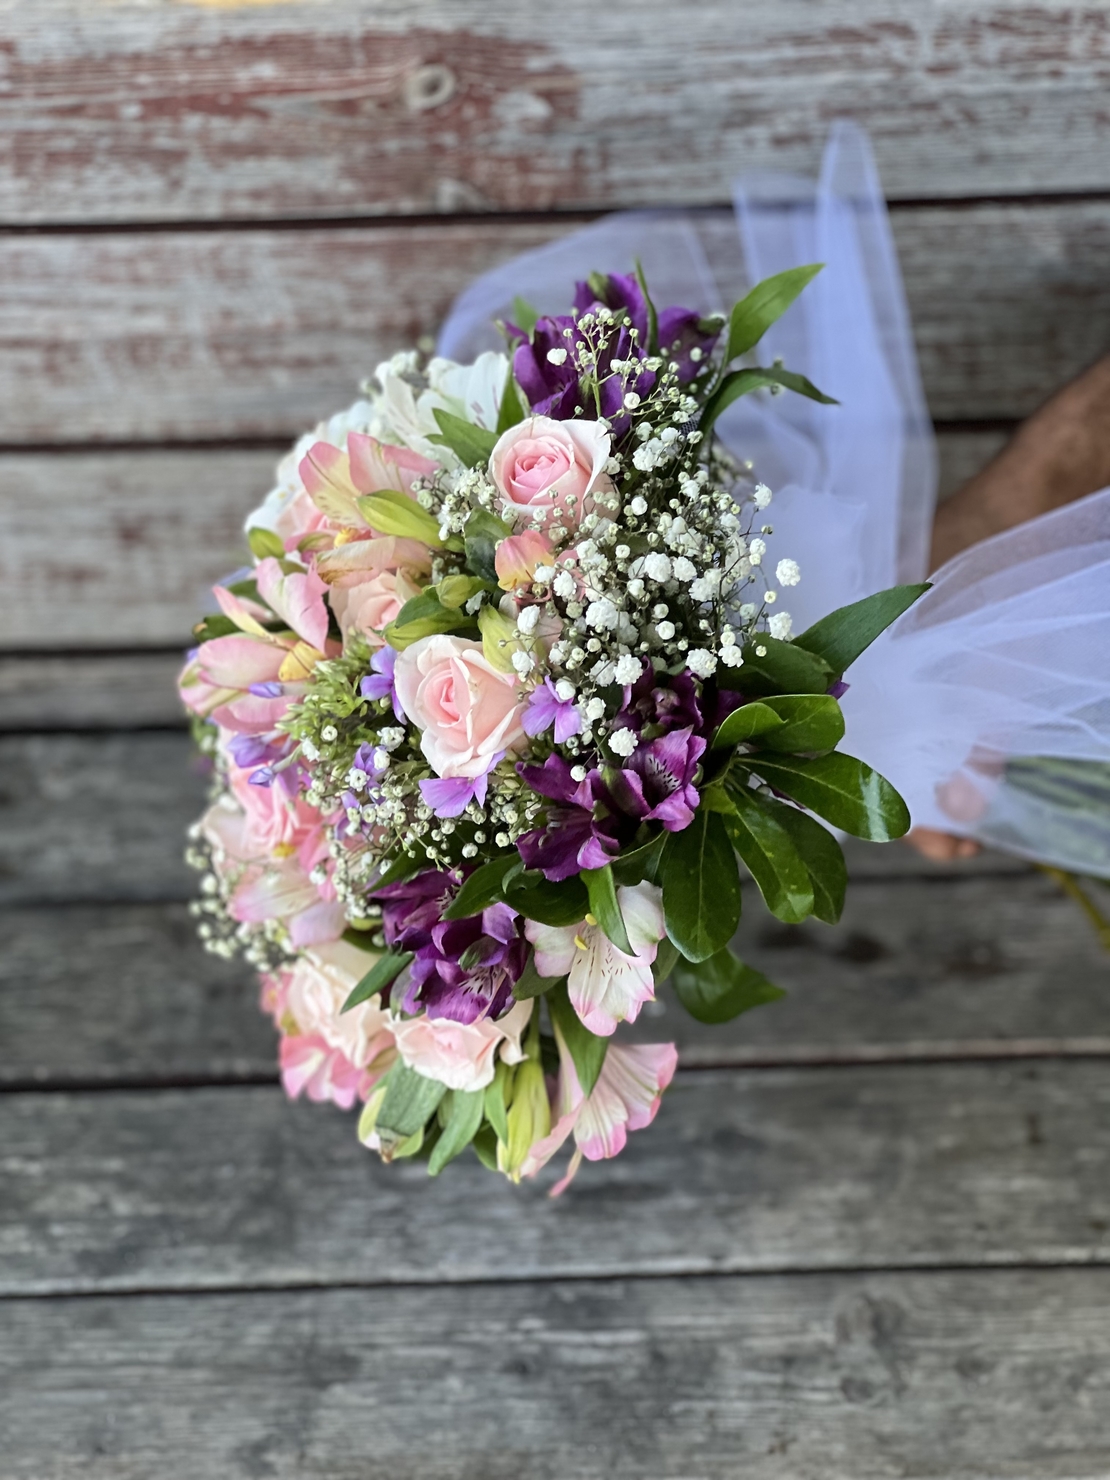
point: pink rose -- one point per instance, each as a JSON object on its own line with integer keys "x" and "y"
{"x": 461, "y": 1055}
{"x": 319, "y": 983}
{"x": 468, "y": 712}
{"x": 370, "y": 607}
{"x": 548, "y": 470}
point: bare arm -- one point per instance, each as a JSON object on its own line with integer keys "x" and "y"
{"x": 1060, "y": 454}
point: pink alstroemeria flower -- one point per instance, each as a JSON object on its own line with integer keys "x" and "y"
{"x": 625, "y": 1098}
{"x": 247, "y": 680}
{"x": 605, "y": 986}
{"x": 335, "y": 479}
{"x": 517, "y": 557}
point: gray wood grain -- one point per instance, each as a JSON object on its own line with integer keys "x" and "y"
{"x": 104, "y": 816}
{"x": 228, "y": 109}
{"x": 743, "y": 1170}
{"x": 971, "y": 1375}
{"x": 140, "y": 336}
{"x": 918, "y": 969}
{"x": 97, "y": 817}
{"x": 147, "y": 533}
{"x": 91, "y": 691}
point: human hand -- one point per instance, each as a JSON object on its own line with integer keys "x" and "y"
{"x": 940, "y": 847}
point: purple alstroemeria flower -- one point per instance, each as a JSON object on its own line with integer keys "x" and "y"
{"x": 556, "y": 390}
{"x": 583, "y": 830}
{"x": 411, "y": 907}
{"x": 271, "y": 689}
{"x": 469, "y": 967}
{"x": 681, "y": 332}
{"x": 462, "y": 969}
{"x": 552, "y": 390}
{"x": 656, "y": 783}
{"x": 838, "y": 689}
{"x": 379, "y": 684}
{"x": 660, "y": 702}
{"x": 618, "y": 290}
{"x": 545, "y": 709}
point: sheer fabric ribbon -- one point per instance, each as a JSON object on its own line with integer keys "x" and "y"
{"x": 988, "y": 703}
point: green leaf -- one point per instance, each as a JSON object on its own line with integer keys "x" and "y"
{"x": 701, "y": 887}
{"x": 464, "y": 1116}
{"x": 585, "y": 1048}
{"x": 768, "y": 301}
{"x": 485, "y": 1147}
{"x": 422, "y": 616}
{"x": 716, "y": 990}
{"x": 530, "y": 983}
{"x": 265, "y": 543}
{"x": 410, "y": 1099}
{"x": 639, "y": 863}
{"x": 745, "y": 724}
{"x": 740, "y": 382}
{"x": 471, "y": 445}
{"x": 380, "y": 975}
{"x": 482, "y": 888}
{"x": 784, "y": 668}
{"x": 773, "y": 861}
{"x": 822, "y": 856}
{"x": 652, "y": 345}
{"x": 839, "y": 638}
{"x": 512, "y": 409}
{"x": 537, "y": 898}
{"x": 481, "y": 537}
{"x": 214, "y": 625}
{"x": 839, "y": 788}
{"x": 666, "y": 956}
{"x": 810, "y": 722}
{"x": 605, "y": 907}
{"x": 402, "y": 867}
{"x": 498, "y": 1093}
{"x": 362, "y": 939}
{"x": 390, "y": 512}
{"x": 525, "y": 316}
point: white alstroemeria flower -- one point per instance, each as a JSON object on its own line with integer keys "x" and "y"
{"x": 605, "y": 986}
{"x": 470, "y": 391}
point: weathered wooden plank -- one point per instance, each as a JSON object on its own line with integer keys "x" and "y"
{"x": 769, "y": 1170}
{"x": 218, "y": 109}
{"x": 918, "y": 969}
{"x": 103, "y": 817}
{"x": 97, "y": 817}
{"x": 976, "y": 1375}
{"x": 119, "y": 549}
{"x": 146, "y": 532}
{"x": 133, "y": 336}
{"x": 95, "y": 691}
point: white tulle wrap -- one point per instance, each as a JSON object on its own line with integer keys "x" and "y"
{"x": 1008, "y": 656}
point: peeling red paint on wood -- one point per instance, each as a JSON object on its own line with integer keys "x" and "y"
{"x": 131, "y": 112}
{"x": 137, "y": 336}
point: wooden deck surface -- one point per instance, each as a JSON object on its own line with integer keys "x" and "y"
{"x": 868, "y": 1236}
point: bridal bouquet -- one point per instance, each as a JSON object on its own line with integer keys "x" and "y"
{"x": 502, "y": 709}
